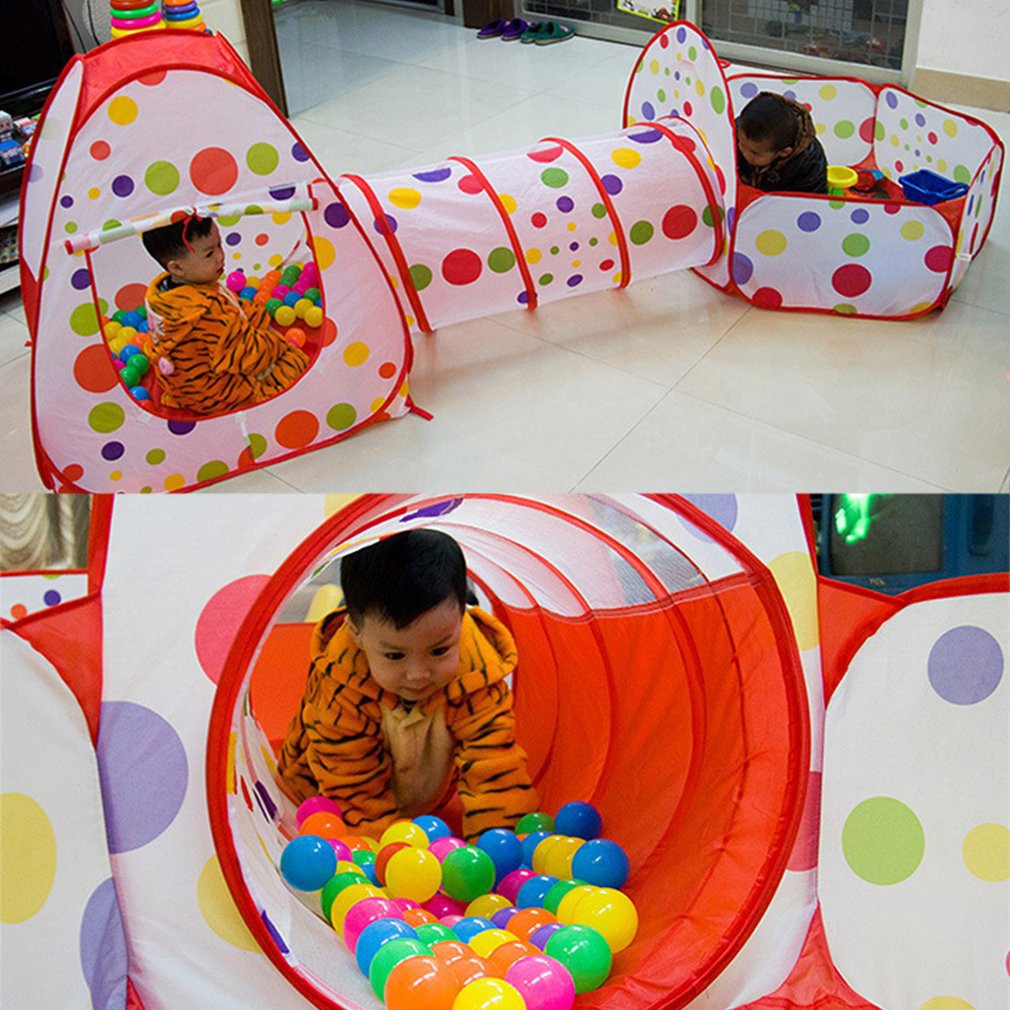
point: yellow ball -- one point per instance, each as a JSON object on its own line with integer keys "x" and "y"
{"x": 314, "y": 316}
{"x": 128, "y": 332}
{"x": 252, "y": 282}
{"x": 413, "y": 873}
{"x": 405, "y": 831}
{"x": 284, "y": 316}
{"x": 347, "y": 899}
{"x": 485, "y": 905}
{"x": 567, "y": 906}
{"x": 542, "y": 851}
{"x": 302, "y": 306}
{"x": 485, "y": 993}
{"x": 558, "y": 858}
{"x": 491, "y": 939}
{"x": 117, "y": 345}
{"x": 346, "y": 866}
{"x": 611, "y": 913}
{"x": 111, "y": 328}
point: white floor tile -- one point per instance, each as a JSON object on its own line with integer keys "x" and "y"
{"x": 254, "y": 482}
{"x": 17, "y": 460}
{"x": 13, "y": 334}
{"x": 340, "y": 152}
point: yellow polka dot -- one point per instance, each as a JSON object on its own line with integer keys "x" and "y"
{"x": 950, "y": 127}
{"x": 174, "y": 481}
{"x": 794, "y": 575}
{"x": 282, "y": 218}
{"x": 394, "y": 281}
{"x": 404, "y": 197}
{"x": 534, "y": 256}
{"x": 912, "y": 230}
{"x": 376, "y": 405}
{"x": 919, "y": 307}
{"x": 941, "y": 165}
{"x": 571, "y": 226}
{"x": 946, "y": 1003}
{"x": 333, "y": 503}
{"x": 770, "y": 242}
{"x": 612, "y": 238}
{"x": 325, "y": 253}
{"x": 895, "y": 140}
{"x": 27, "y": 857}
{"x": 276, "y": 260}
{"x": 404, "y": 390}
{"x": 267, "y": 756}
{"x": 356, "y": 353}
{"x": 116, "y": 475}
{"x": 653, "y": 66}
{"x": 218, "y": 909}
{"x": 821, "y": 128}
{"x": 508, "y": 202}
{"x": 236, "y": 256}
{"x": 700, "y": 88}
{"x": 625, "y": 157}
{"x": 410, "y": 320}
{"x": 122, "y": 110}
{"x": 229, "y": 772}
{"x": 828, "y": 91}
{"x": 94, "y": 193}
{"x": 986, "y": 852}
{"x": 576, "y": 264}
{"x": 617, "y": 277}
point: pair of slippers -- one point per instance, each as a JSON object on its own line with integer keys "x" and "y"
{"x": 540, "y": 32}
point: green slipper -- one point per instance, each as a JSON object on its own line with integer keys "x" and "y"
{"x": 554, "y": 32}
{"x": 534, "y": 31}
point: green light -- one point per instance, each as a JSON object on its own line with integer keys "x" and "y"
{"x": 854, "y": 516}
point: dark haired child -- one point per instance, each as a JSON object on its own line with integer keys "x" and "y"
{"x": 777, "y": 147}
{"x": 406, "y": 701}
{"x": 214, "y": 352}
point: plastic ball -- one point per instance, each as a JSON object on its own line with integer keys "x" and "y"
{"x": 506, "y": 954}
{"x": 421, "y": 983}
{"x": 356, "y": 842}
{"x": 388, "y": 850}
{"x": 488, "y": 994}
{"x": 488, "y": 940}
{"x": 552, "y": 899}
{"x": 434, "y": 827}
{"x": 566, "y": 906}
{"x": 433, "y": 932}
{"x": 247, "y": 293}
{"x": 297, "y": 336}
{"x": 407, "y": 903}
{"x": 117, "y": 344}
{"x": 542, "y": 851}
{"x": 611, "y": 913}
{"x": 302, "y": 306}
{"x": 139, "y": 363}
{"x": 504, "y": 848}
{"x": 533, "y": 892}
{"x": 472, "y": 967}
{"x": 324, "y": 824}
{"x": 530, "y": 843}
{"x": 141, "y": 311}
{"x": 128, "y": 351}
{"x": 467, "y": 872}
{"x": 451, "y": 950}
{"x": 470, "y": 925}
{"x": 272, "y": 305}
{"x": 127, "y": 333}
{"x": 363, "y": 914}
{"x": 442, "y": 905}
{"x": 528, "y": 920}
{"x": 144, "y": 327}
{"x": 111, "y": 328}
{"x": 405, "y": 831}
{"x": 375, "y": 936}
{"x": 538, "y": 821}
{"x": 313, "y": 294}
{"x": 292, "y": 298}
{"x": 133, "y": 319}
{"x": 337, "y": 883}
{"x": 543, "y": 934}
{"x": 280, "y": 291}
{"x": 362, "y": 857}
{"x": 120, "y": 365}
{"x": 117, "y": 316}
{"x": 509, "y": 885}
{"x": 441, "y": 847}
{"x": 301, "y": 287}
{"x": 284, "y": 316}
{"x": 601, "y": 862}
{"x": 485, "y": 905}
{"x": 543, "y": 982}
{"x": 307, "y": 862}
{"x": 347, "y": 899}
{"x": 451, "y": 920}
{"x": 310, "y": 269}
{"x": 139, "y": 393}
{"x": 558, "y": 858}
{"x": 235, "y": 280}
{"x": 503, "y": 915}
{"x": 370, "y": 875}
{"x": 419, "y": 917}
{"x": 388, "y": 956}
{"x": 584, "y": 952}
{"x": 343, "y": 853}
{"x": 314, "y": 317}
{"x": 413, "y": 873}
{"x": 271, "y": 278}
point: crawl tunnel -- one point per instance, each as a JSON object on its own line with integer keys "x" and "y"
{"x": 658, "y": 679}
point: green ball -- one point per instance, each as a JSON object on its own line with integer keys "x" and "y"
{"x": 314, "y": 295}
{"x": 538, "y": 821}
{"x": 117, "y": 316}
{"x": 141, "y": 311}
{"x": 584, "y": 952}
{"x": 467, "y": 873}
{"x": 139, "y": 363}
{"x": 334, "y": 886}
{"x": 272, "y": 305}
{"x": 434, "y": 932}
{"x": 363, "y": 857}
{"x": 553, "y": 897}
{"x": 388, "y": 956}
{"x": 129, "y": 377}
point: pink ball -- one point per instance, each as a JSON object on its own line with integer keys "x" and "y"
{"x": 509, "y": 885}
{"x": 280, "y": 291}
{"x": 236, "y": 280}
{"x": 120, "y": 365}
{"x": 441, "y": 847}
{"x": 364, "y": 913}
{"x": 450, "y": 920}
{"x": 543, "y": 982}
{"x": 406, "y": 903}
{"x": 442, "y": 904}
{"x": 314, "y": 805}
{"x": 301, "y": 287}
{"x": 310, "y": 273}
{"x": 342, "y": 851}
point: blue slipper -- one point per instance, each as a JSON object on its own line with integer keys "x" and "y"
{"x": 514, "y": 30}
{"x": 492, "y": 29}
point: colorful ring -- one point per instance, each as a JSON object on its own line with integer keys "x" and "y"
{"x": 196, "y": 22}
{"x": 191, "y": 10}
{"x": 148, "y": 22}
{"x": 134, "y": 15}
{"x": 128, "y": 5}
{"x": 169, "y": 4}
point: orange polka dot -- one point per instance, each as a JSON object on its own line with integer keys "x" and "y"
{"x": 130, "y": 296}
{"x": 93, "y": 369}
{"x": 73, "y": 472}
{"x": 153, "y": 78}
{"x": 261, "y": 239}
{"x": 329, "y": 332}
{"x": 296, "y": 429}
{"x": 18, "y": 611}
{"x": 245, "y": 459}
{"x": 387, "y": 370}
{"x": 213, "y": 171}
{"x": 100, "y": 150}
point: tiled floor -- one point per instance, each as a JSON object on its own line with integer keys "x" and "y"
{"x": 667, "y": 384}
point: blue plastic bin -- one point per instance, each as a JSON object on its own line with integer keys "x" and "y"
{"x": 927, "y": 187}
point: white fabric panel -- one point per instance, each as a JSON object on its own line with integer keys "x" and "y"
{"x": 27, "y": 594}
{"x": 979, "y": 208}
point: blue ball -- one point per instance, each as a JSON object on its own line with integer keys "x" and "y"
{"x": 139, "y": 393}
{"x": 307, "y": 862}
{"x": 247, "y": 294}
{"x": 579, "y": 820}
{"x": 377, "y": 934}
{"x": 601, "y": 862}
{"x": 373, "y": 877}
{"x": 128, "y": 352}
{"x": 533, "y": 892}
{"x": 434, "y": 827}
{"x": 469, "y": 926}
{"x": 291, "y": 297}
{"x": 133, "y": 319}
{"x": 529, "y": 843}
{"x": 144, "y": 327}
{"x": 504, "y": 848}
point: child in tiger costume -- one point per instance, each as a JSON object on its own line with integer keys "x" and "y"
{"x": 213, "y": 352}
{"x": 406, "y": 700}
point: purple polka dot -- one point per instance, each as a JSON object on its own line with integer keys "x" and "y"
{"x": 274, "y": 933}
{"x": 66, "y": 201}
{"x": 860, "y": 216}
{"x": 122, "y": 185}
{"x": 386, "y": 225}
{"x": 143, "y": 770}
{"x": 965, "y": 665}
{"x": 34, "y": 172}
{"x": 648, "y": 110}
{"x": 790, "y": 94}
{"x": 181, "y": 427}
{"x": 103, "y": 948}
{"x": 269, "y": 807}
{"x": 336, "y": 215}
{"x": 574, "y": 281}
{"x": 721, "y": 507}
{"x": 920, "y": 119}
{"x": 299, "y": 153}
{"x": 574, "y": 246}
{"x": 80, "y": 279}
{"x": 282, "y": 192}
{"x": 523, "y": 298}
{"x": 612, "y": 184}
{"x": 113, "y": 450}
{"x": 971, "y": 202}
{"x": 730, "y": 218}
{"x": 748, "y": 89}
{"x": 565, "y": 204}
{"x": 648, "y": 137}
{"x": 233, "y": 238}
{"x": 676, "y": 75}
{"x": 892, "y": 99}
{"x": 51, "y": 598}
{"x": 435, "y": 175}
{"x": 681, "y": 34}
{"x": 743, "y": 268}
{"x": 808, "y": 221}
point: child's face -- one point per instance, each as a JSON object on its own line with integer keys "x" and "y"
{"x": 757, "y": 154}
{"x": 204, "y": 265}
{"x": 417, "y": 660}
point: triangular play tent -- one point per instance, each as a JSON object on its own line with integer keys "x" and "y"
{"x": 810, "y": 779}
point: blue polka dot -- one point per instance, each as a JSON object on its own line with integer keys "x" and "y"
{"x": 743, "y": 268}
{"x": 435, "y": 175}
{"x": 282, "y": 192}
{"x": 748, "y": 89}
{"x": 612, "y": 184}
{"x": 790, "y": 94}
{"x": 112, "y": 450}
{"x": 574, "y": 281}
{"x": 565, "y": 204}
{"x": 80, "y": 279}
{"x": 860, "y": 216}
{"x": 233, "y": 238}
{"x": 336, "y": 215}
{"x": 681, "y": 34}
{"x": 808, "y": 221}
{"x": 920, "y": 119}
{"x": 648, "y": 137}
{"x": 51, "y": 598}
{"x": 892, "y": 99}
{"x": 181, "y": 427}
{"x": 299, "y": 153}
{"x": 648, "y": 110}
{"x": 66, "y": 201}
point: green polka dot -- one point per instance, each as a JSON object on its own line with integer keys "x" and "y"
{"x": 641, "y": 232}
{"x": 254, "y": 208}
{"x": 599, "y": 210}
{"x": 501, "y": 260}
{"x": 912, "y": 230}
{"x": 594, "y": 241}
{"x": 341, "y": 416}
{"x": 855, "y": 245}
{"x": 661, "y": 95}
{"x": 707, "y": 218}
{"x": 546, "y": 279}
{"x": 227, "y": 222}
{"x": 146, "y": 489}
{"x": 844, "y": 128}
{"x": 961, "y": 173}
{"x": 903, "y": 123}
{"x": 106, "y": 417}
{"x": 161, "y": 177}
{"x": 112, "y": 223}
{"x": 790, "y": 80}
{"x": 420, "y": 275}
{"x": 836, "y": 204}
{"x": 554, "y": 177}
{"x": 84, "y": 320}
{"x": 692, "y": 53}
{"x": 879, "y": 132}
{"x": 257, "y": 445}
{"x": 70, "y": 227}
{"x": 883, "y": 841}
{"x": 554, "y": 250}
{"x": 215, "y": 468}
{"x": 262, "y": 158}
{"x": 844, "y": 309}
{"x": 155, "y": 456}
{"x": 718, "y": 100}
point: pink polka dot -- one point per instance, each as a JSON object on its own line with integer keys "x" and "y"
{"x": 939, "y": 258}
{"x": 547, "y": 154}
{"x": 866, "y": 128}
{"x": 931, "y": 137}
{"x": 679, "y": 221}
{"x": 892, "y": 208}
{"x": 685, "y": 144}
{"x": 804, "y": 853}
{"x": 461, "y": 266}
{"x": 664, "y": 42}
{"x": 470, "y": 184}
{"x": 767, "y": 298}
{"x": 220, "y": 619}
{"x": 213, "y": 171}
{"x": 851, "y": 280}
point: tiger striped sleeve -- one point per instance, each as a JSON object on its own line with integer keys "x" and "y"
{"x": 243, "y": 349}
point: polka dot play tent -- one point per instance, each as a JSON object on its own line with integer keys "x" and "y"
{"x": 810, "y": 779}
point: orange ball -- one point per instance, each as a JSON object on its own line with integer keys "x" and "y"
{"x": 527, "y": 921}
{"x": 385, "y": 854}
{"x": 418, "y": 916}
{"x": 421, "y": 983}
{"x": 324, "y": 824}
{"x": 507, "y": 954}
{"x": 297, "y": 336}
{"x": 356, "y": 843}
{"x": 469, "y": 969}
{"x": 451, "y": 950}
